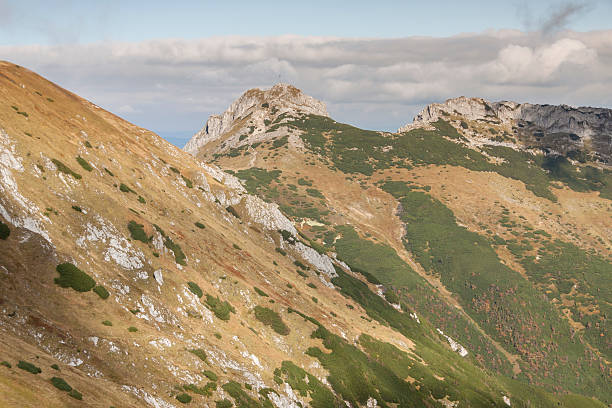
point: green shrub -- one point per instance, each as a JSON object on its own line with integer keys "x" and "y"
{"x": 107, "y": 323}
{"x": 313, "y": 192}
{"x": 65, "y": 169}
{"x": 232, "y": 211}
{"x": 195, "y": 289}
{"x": 87, "y": 144}
{"x": 101, "y": 291}
{"x": 77, "y": 208}
{"x": 304, "y": 182}
{"x": 188, "y": 182}
{"x": 179, "y": 256}
{"x": 224, "y": 403}
{"x": 55, "y": 367}
{"x": 270, "y": 318}
{"x": 132, "y": 329}
{"x": 218, "y": 335}
{"x": 175, "y": 170}
{"x": 141, "y": 200}
{"x": 137, "y": 232}
{"x": 184, "y": 398}
{"x": 110, "y": 173}
{"x": 75, "y": 394}
{"x": 125, "y": 189}
{"x": 73, "y": 277}
{"x": 391, "y": 297}
{"x": 311, "y": 285}
{"x": 60, "y": 384}
{"x": 221, "y": 309}
{"x": 206, "y": 390}
{"x": 210, "y": 375}
{"x": 300, "y": 264}
{"x": 200, "y": 225}
{"x": 5, "y": 231}
{"x": 29, "y": 367}
{"x": 260, "y": 292}
{"x": 281, "y": 251}
{"x": 84, "y": 163}
{"x": 201, "y": 354}
{"x": 237, "y": 247}
{"x": 6, "y": 364}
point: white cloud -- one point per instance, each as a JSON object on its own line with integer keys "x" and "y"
{"x": 174, "y": 84}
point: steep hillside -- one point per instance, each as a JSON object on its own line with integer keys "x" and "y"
{"x": 491, "y": 222}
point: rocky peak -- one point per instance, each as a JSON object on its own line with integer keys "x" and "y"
{"x": 281, "y": 98}
{"x": 584, "y": 128}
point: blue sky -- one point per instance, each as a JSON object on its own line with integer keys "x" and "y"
{"x": 167, "y": 66}
{"x": 111, "y": 20}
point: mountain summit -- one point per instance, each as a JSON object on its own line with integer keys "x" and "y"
{"x": 556, "y": 127}
{"x": 257, "y": 105}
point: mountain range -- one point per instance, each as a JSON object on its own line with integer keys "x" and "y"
{"x": 283, "y": 259}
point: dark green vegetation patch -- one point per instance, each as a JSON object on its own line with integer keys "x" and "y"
{"x": 184, "y": 398}
{"x": 84, "y": 164}
{"x": 195, "y": 289}
{"x": 137, "y": 232}
{"x": 270, "y": 318}
{"x": 221, "y": 309}
{"x": 61, "y": 384}
{"x": 73, "y": 277}
{"x": 61, "y": 167}
{"x": 5, "y": 231}
{"x": 101, "y": 291}
{"x": 29, "y": 367}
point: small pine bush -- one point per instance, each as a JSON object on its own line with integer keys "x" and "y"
{"x": 260, "y": 292}
{"x": 101, "y": 291}
{"x": 184, "y": 398}
{"x": 55, "y": 367}
{"x": 77, "y": 208}
{"x": 125, "y": 189}
{"x": 195, "y": 289}
{"x": 232, "y": 211}
{"x": 110, "y": 173}
{"x": 221, "y": 309}
{"x": 200, "y": 225}
{"x": 84, "y": 163}
{"x": 224, "y": 403}
{"x": 188, "y": 182}
{"x": 137, "y": 232}
{"x": 201, "y": 354}
{"x": 75, "y": 394}
{"x": 210, "y": 375}
{"x": 107, "y": 323}
{"x": 270, "y": 318}
{"x": 65, "y": 169}
{"x": 61, "y": 384}
{"x": 141, "y": 200}
{"x": 5, "y": 231}
{"x": 73, "y": 277}
{"x": 132, "y": 329}
{"x": 29, "y": 367}
{"x": 6, "y": 364}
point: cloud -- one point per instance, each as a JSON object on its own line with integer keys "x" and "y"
{"x": 174, "y": 85}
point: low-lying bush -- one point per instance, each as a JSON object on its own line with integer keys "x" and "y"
{"x": 101, "y": 291}
{"x": 221, "y": 309}
{"x": 73, "y": 277}
{"x": 61, "y": 384}
{"x": 260, "y": 292}
{"x": 199, "y": 353}
{"x": 200, "y": 225}
{"x": 195, "y": 289}
{"x": 61, "y": 167}
{"x": 137, "y": 232}
{"x": 29, "y": 367}
{"x": 184, "y": 398}
{"x": 5, "y": 231}
{"x": 270, "y": 318}
{"x": 84, "y": 163}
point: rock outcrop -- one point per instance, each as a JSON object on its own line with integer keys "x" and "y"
{"x": 560, "y": 128}
{"x": 255, "y": 102}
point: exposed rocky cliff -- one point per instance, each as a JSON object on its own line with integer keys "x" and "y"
{"x": 258, "y": 105}
{"x": 554, "y": 128}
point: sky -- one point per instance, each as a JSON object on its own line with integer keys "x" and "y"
{"x": 167, "y": 66}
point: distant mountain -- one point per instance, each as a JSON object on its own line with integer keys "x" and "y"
{"x": 491, "y": 221}
{"x": 294, "y": 262}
